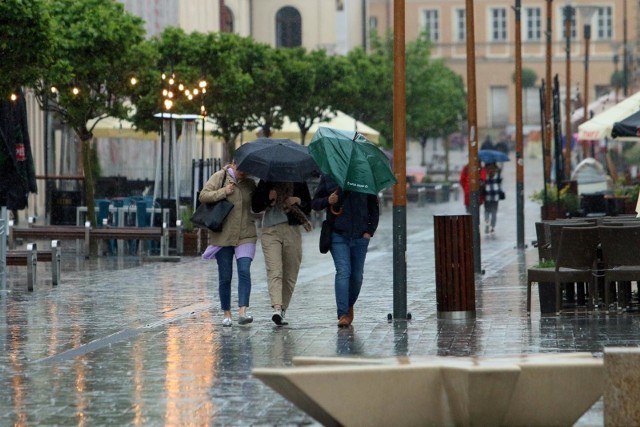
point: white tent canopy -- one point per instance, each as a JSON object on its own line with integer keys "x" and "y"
{"x": 340, "y": 120}
{"x": 111, "y": 127}
{"x": 599, "y": 126}
{"x": 598, "y": 106}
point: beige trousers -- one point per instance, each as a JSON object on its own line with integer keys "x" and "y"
{"x": 282, "y": 249}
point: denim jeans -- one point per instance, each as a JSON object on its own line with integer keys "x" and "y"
{"x": 348, "y": 258}
{"x": 225, "y": 273}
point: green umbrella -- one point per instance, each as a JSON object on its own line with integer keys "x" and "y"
{"x": 355, "y": 163}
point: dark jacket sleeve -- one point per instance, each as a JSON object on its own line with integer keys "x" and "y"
{"x": 326, "y": 186}
{"x": 260, "y": 200}
{"x": 301, "y": 190}
{"x": 373, "y": 207}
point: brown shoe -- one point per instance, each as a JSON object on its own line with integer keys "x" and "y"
{"x": 350, "y": 314}
{"x": 343, "y": 322}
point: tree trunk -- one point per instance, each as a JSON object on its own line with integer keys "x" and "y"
{"x": 88, "y": 188}
{"x": 423, "y": 145}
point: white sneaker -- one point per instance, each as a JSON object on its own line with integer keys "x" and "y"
{"x": 283, "y": 321}
{"x": 226, "y": 321}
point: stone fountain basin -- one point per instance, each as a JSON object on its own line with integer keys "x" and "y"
{"x": 529, "y": 390}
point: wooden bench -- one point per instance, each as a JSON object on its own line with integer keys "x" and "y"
{"x": 41, "y": 232}
{"x": 86, "y": 233}
{"x": 30, "y": 258}
{"x": 128, "y": 233}
{"x": 413, "y": 194}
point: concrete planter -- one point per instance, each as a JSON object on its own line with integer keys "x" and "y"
{"x": 191, "y": 243}
{"x": 552, "y": 211}
{"x": 547, "y": 296}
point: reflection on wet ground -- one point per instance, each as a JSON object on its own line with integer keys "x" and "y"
{"x": 121, "y": 342}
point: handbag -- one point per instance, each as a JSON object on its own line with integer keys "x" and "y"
{"x": 212, "y": 215}
{"x": 327, "y": 228}
{"x": 325, "y": 236}
{"x": 501, "y": 195}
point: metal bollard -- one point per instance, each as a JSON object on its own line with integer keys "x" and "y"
{"x": 164, "y": 240}
{"x": 179, "y": 237}
{"x": 32, "y": 264}
{"x": 3, "y": 247}
{"x": 421, "y": 196}
{"x": 55, "y": 262}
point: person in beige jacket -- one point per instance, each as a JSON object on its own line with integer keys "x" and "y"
{"x": 237, "y": 238}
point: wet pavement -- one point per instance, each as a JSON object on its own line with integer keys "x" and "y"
{"x": 122, "y": 342}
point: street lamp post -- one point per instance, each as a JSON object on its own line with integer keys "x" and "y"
{"x": 546, "y": 158}
{"x": 568, "y": 15}
{"x": 614, "y": 47}
{"x": 586, "y": 12}
{"x": 625, "y": 59}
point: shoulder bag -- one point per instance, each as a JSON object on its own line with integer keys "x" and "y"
{"x": 212, "y": 215}
{"x": 327, "y": 229}
{"x": 325, "y": 236}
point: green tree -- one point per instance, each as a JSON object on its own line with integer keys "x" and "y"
{"x": 25, "y": 43}
{"x": 98, "y": 48}
{"x": 265, "y": 66}
{"x": 436, "y": 100}
{"x": 311, "y": 79}
{"x": 529, "y": 77}
{"x": 229, "y": 99}
{"x": 367, "y": 88}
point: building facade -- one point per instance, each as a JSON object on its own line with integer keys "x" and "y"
{"x": 613, "y": 26}
{"x": 341, "y": 25}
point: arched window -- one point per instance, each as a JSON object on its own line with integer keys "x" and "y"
{"x": 227, "y": 20}
{"x": 288, "y": 27}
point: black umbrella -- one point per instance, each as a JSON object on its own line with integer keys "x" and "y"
{"x": 276, "y": 160}
{"x": 629, "y": 126}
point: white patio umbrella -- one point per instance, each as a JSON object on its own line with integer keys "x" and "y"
{"x": 600, "y": 125}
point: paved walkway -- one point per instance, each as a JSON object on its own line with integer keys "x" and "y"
{"x": 125, "y": 343}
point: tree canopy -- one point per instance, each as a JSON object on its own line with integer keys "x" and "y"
{"x": 98, "y": 48}
{"x": 25, "y": 43}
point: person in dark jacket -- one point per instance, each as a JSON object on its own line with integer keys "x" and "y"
{"x": 493, "y": 194}
{"x": 355, "y": 220}
{"x": 286, "y": 206}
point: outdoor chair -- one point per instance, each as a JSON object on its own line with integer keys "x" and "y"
{"x": 554, "y": 230}
{"x": 574, "y": 261}
{"x": 543, "y": 242}
{"x": 621, "y": 259}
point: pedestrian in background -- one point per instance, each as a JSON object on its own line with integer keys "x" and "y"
{"x": 355, "y": 219}
{"x": 286, "y": 206}
{"x": 237, "y": 238}
{"x": 492, "y": 195}
{"x": 466, "y": 189}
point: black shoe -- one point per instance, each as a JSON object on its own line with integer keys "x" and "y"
{"x": 277, "y": 317}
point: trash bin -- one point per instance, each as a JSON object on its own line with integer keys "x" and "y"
{"x": 455, "y": 277}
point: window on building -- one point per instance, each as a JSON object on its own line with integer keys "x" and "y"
{"x": 373, "y": 23}
{"x": 499, "y": 105}
{"x": 533, "y": 23}
{"x": 288, "y": 27}
{"x": 605, "y": 23}
{"x": 461, "y": 25}
{"x": 531, "y": 115}
{"x": 227, "y": 20}
{"x": 498, "y": 24}
{"x": 431, "y": 24}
